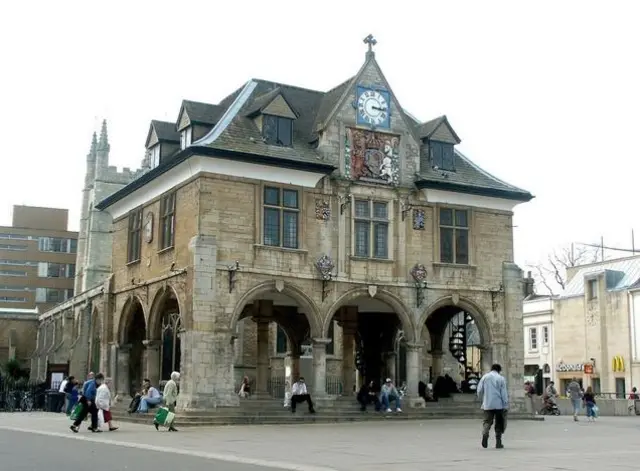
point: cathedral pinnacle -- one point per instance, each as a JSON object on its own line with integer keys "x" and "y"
{"x": 103, "y": 144}
{"x": 94, "y": 146}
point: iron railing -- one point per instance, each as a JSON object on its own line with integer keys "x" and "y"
{"x": 22, "y": 396}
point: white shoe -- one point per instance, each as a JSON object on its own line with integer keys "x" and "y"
{"x": 389, "y": 410}
{"x": 398, "y": 410}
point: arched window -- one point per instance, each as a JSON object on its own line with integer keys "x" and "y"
{"x": 170, "y": 349}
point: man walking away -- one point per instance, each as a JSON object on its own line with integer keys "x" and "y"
{"x": 299, "y": 393}
{"x": 492, "y": 390}
{"x": 88, "y": 401}
{"x": 574, "y": 391}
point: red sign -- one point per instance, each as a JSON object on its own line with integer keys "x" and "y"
{"x": 588, "y": 369}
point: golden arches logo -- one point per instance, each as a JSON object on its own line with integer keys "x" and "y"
{"x": 617, "y": 364}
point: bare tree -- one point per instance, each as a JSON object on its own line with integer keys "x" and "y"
{"x": 552, "y": 273}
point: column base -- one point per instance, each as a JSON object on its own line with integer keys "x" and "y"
{"x": 414, "y": 402}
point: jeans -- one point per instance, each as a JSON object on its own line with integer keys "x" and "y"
{"x": 386, "y": 400}
{"x": 576, "y": 403}
{"x": 70, "y": 403}
{"x": 145, "y": 402}
{"x": 590, "y": 406}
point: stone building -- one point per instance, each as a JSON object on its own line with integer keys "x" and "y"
{"x": 538, "y": 339}
{"x": 288, "y": 231}
{"x": 596, "y": 333}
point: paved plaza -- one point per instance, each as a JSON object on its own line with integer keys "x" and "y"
{"x": 555, "y": 444}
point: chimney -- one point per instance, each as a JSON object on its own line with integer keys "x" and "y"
{"x": 529, "y": 285}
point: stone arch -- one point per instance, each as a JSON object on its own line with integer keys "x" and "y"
{"x": 304, "y": 302}
{"x": 463, "y": 304}
{"x": 163, "y": 293}
{"x": 126, "y": 313}
{"x": 393, "y": 301}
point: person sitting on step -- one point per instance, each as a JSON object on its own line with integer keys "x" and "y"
{"x": 368, "y": 395}
{"x": 390, "y": 393}
{"x": 150, "y": 397}
{"x": 299, "y": 393}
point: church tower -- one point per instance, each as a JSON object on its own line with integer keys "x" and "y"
{"x": 93, "y": 264}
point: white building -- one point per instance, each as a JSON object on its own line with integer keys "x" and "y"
{"x": 537, "y": 319}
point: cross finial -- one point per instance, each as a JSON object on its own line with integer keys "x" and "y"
{"x": 370, "y": 41}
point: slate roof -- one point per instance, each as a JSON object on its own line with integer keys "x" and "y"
{"x": 166, "y": 131}
{"x": 620, "y": 274}
{"x": 203, "y": 113}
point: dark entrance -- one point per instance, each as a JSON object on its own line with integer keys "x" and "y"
{"x": 135, "y": 334}
{"x": 375, "y": 338}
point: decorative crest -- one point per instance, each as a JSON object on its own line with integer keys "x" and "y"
{"x": 419, "y": 273}
{"x": 325, "y": 266}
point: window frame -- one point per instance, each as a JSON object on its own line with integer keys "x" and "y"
{"x": 154, "y": 160}
{"x": 546, "y": 335}
{"x": 372, "y": 222}
{"x": 533, "y": 339}
{"x": 279, "y": 120}
{"x": 167, "y": 216}
{"x": 134, "y": 215}
{"x": 186, "y": 137}
{"x": 439, "y": 160}
{"x": 454, "y": 228}
{"x": 592, "y": 289}
{"x": 282, "y": 210}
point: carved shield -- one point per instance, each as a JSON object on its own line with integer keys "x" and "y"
{"x": 455, "y": 299}
{"x": 279, "y": 285}
{"x": 373, "y": 289}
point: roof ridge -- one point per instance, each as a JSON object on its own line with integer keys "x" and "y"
{"x": 340, "y": 85}
{"x": 199, "y": 102}
{"x": 487, "y": 174}
{"x": 278, "y": 84}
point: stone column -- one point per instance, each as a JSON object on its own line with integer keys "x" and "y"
{"x": 152, "y": 361}
{"x": 485, "y": 359}
{"x": 436, "y": 364}
{"x": 320, "y": 367}
{"x": 262, "y": 370}
{"x": 295, "y": 365}
{"x": 206, "y": 376}
{"x": 413, "y": 368}
{"x": 508, "y": 342}
{"x": 348, "y": 359}
{"x": 122, "y": 371}
{"x": 390, "y": 363}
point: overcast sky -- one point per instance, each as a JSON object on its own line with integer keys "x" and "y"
{"x": 545, "y": 95}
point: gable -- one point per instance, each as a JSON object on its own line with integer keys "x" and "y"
{"x": 445, "y": 133}
{"x": 279, "y": 107}
{"x": 152, "y": 137}
{"x": 183, "y": 119}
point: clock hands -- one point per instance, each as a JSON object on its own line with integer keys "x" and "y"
{"x": 377, "y": 108}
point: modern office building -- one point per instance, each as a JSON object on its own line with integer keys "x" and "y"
{"x": 37, "y": 259}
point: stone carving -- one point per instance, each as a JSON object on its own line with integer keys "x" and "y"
{"x": 419, "y": 273}
{"x": 372, "y": 289}
{"x": 279, "y": 285}
{"x": 455, "y": 299}
{"x": 325, "y": 266}
{"x": 372, "y": 156}
{"x": 592, "y": 316}
{"x": 323, "y": 210}
{"x": 418, "y": 219}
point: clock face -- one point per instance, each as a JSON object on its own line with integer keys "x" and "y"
{"x": 373, "y": 107}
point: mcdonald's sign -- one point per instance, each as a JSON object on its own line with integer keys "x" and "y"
{"x": 617, "y": 364}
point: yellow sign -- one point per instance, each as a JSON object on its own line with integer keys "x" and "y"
{"x": 617, "y": 365}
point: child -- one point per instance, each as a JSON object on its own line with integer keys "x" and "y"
{"x": 590, "y": 403}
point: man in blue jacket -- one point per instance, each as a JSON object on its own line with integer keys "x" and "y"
{"x": 88, "y": 401}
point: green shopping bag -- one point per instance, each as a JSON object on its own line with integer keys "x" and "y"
{"x": 76, "y": 411}
{"x": 164, "y": 417}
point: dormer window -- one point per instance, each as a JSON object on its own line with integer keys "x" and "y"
{"x": 185, "y": 138}
{"x": 277, "y": 130}
{"x": 154, "y": 156}
{"x": 442, "y": 155}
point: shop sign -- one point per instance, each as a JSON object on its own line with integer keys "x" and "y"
{"x": 588, "y": 369}
{"x": 564, "y": 367}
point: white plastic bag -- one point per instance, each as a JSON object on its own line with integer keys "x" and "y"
{"x": 100, "y": 418}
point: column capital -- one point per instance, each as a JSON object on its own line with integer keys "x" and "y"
{"x": 321, "y": 341}
{"x": 414, "y": 346}
{"x": 151, "y": 344}
{"x": 124, "y": 347}
{"x": 436, "y": 353}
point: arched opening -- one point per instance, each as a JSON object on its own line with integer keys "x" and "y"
{"x": 370, "y": 335}
{"x": 164, "y": 351}
{"x": 458, "y": 355}
{"x": 134, "y": 334}
{"x": 272, "y": 346}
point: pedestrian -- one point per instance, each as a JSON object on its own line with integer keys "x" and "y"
{"x": 589, "y": 399}
{"x": 166, "y": 415}
{"x": 103, "y": 402}
{"x": 574, "y": 391}
{"x": 492, "y": 390}
{"x": 299, "y": 393}
{"x": 88, "y": 402}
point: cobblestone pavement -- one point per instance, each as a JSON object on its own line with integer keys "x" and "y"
{"x": 555, "y": 444}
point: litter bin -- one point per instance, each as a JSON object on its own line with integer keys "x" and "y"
{"x": 54, "y": 400}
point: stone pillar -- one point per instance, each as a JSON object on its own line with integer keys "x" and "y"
{"x": 295, "y": 365}
{"x": 485, "y": 360}
{"x": 436, "y": 364}
{"x": 206, "y": 370}
{"x": 320, "y": 367}
{"x": 122, "y": 371}
{"x": 413, "y": 368}
{"x": 262, "y": 370}
{"x": 348, "y": 359}
{"x": 390, "y": 363}
{"x": 508, "y": 342}
{"x": 152, "y": 361}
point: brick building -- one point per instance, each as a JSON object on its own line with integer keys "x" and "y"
{"x": 286, "y": 231}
